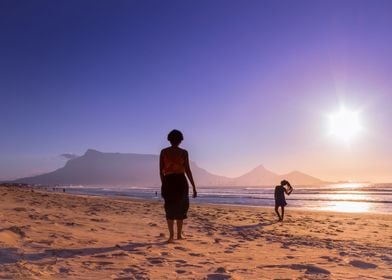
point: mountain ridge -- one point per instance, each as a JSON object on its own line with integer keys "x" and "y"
{"x": 132, "y": 169}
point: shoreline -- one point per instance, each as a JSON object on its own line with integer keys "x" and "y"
{"x": 288, "y": 207}
{"x": 55, "y": 235}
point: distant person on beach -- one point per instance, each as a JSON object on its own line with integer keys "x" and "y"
{"x": 173, "y": 166}
{"x": 280, "y": 200}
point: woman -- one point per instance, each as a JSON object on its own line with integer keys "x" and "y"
{"x": 174, "y": 165}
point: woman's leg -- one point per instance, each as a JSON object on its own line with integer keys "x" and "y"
{"x": 170, "y": 226}
{"x": 282, "y": 212}
{"x": 277, "y": 212}
{"x": 179, "y": 229}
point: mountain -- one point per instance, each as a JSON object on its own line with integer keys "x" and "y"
{"x": 260, "y": 176}
{"x": 257, "y": 176}
{"x": 95, "y": 168}
{"x": 299, "y": 178}
{"x": 114, "y": 169}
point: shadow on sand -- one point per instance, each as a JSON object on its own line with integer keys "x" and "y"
{"x": 250, "y": 227}
{"x": 13, "y": 255}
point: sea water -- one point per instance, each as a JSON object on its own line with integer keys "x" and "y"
{"x": 348, "y": 197}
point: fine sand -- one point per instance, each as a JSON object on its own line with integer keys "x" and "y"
{"x": 48, "y": 235}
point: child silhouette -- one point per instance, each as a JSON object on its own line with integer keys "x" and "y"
{"x": 280, "y": 200}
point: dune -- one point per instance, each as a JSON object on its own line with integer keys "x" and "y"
{"x": 48, "y": 235}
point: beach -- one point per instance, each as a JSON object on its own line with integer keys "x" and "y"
{"x": 55, "y": 235}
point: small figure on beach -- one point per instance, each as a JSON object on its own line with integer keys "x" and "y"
{"x": 174, "y": 168}
{"x": 280, "y": 200}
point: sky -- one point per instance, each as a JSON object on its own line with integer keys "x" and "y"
{"x": 247, "y": 82}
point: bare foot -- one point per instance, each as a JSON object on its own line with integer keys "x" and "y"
{"x": 170, "y": 240}
{"x": 180, "y": 237}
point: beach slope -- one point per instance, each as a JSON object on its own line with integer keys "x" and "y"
{"x": 49, "y": 235}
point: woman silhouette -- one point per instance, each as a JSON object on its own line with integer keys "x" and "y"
{"x": 173, "y": 166}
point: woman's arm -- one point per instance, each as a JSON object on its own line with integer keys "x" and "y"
{"x": 188, "y": 173}
{"x": 290, "y": 189}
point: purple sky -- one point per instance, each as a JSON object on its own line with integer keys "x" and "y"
{"x": 248, "y": 82}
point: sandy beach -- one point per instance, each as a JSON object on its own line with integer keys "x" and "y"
{"x": 49, "y": 235}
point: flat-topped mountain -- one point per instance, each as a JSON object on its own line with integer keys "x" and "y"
{"x": 114, "y": 169}
{"x": 120, "y": 169}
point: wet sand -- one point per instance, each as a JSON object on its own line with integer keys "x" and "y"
{"x": 48, "y": 235}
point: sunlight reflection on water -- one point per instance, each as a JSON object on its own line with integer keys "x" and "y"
{"x": 349, "y": 185}
{"x": 348, "y": 206}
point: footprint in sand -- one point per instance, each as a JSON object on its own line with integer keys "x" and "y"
{"x": 137, "y": 273}
{"x": 196, "y": 255}
{"x": 386, "y": 259}
{"x": 217, "y": 276}
{"x": 121, "y": 254}
{"x": 180, "y": 248}
{"x": 331, "y": 259}
{"x": 310, "y": 269}
{"x": 363, "y": 265}
{"x": 100, "y": 256}
{"x": 157, "y": 260}
{"x": 64, "y": 270}
{"x": 20, "y": 209}
{"x": 16, "y": 230}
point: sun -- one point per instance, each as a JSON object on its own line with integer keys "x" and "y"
{"x": 344, "y": 124}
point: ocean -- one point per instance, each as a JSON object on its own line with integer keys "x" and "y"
{"x": 347, "y": 197}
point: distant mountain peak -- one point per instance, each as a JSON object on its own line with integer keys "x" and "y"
{"x": 92, "y": 152}
{"x": 259, "y": 167}
{"x": 295, "y": 172}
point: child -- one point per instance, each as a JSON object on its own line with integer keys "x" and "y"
{"x": 280, "y": 199}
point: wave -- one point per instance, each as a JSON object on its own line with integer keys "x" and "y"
{"x": 378, "y": 199}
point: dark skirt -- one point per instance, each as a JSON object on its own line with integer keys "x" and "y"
{"x": 175, "y": 192}
{"x": 281, "y": 201}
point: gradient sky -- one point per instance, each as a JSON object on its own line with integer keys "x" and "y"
{"x": 248, "y": 82}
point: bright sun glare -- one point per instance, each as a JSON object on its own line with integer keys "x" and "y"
{"x": 344, "y": 124}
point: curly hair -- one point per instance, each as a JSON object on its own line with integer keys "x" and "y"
{"x": 175, "y": 136}
{"x": 284, "y": 182}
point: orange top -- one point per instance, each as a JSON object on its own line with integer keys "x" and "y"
{"x": 173, "y": 163}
